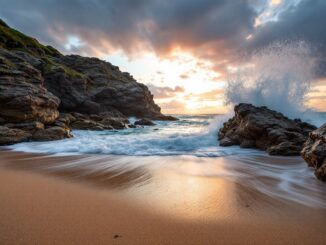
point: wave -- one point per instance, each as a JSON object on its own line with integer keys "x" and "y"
{"x": 191, "y": 135}
{"x": 277, "y": 76}
{"x": 193, "y": 140}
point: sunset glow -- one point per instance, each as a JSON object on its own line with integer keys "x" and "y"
{"x": 184, "y": 57}
{"x": 181, "y": 83}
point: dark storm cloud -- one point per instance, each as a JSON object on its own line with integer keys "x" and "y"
{"x": 158, "y": 25}
{"x": 211, "y": 29}
{"x": 304, "y": 21}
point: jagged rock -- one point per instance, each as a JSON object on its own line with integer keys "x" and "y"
{"x": 88, "y": 125}
{"x": 91, "y": 86}
{"x": 28, "y": 126}
{"x": 93, "y": 93}
{"x": 66, "y": 118}
{"x": 51, "y": 133}
{"x": 116, "y": 123}
{"x": 265, "y": 129}
{"x": 12, "y": 136}
{"x": 22, "y": 96}
{"x": 314, "y": 152}
{"x": 144, "y": 122}
{"x": 165, "y": 118}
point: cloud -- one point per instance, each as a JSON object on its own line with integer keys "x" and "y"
{"x": 215, "y": 30}
{"x": 173, "y": 106}
{"x": 304, "y": 20}
{"x": 213, "y": 95}
{"x": 165, "y": 92}
{"x": 209, "y": 28}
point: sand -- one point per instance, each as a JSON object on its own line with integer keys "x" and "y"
{"x": 49, "y": 207}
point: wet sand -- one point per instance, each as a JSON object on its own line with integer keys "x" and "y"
{"x": 41, "y": 203}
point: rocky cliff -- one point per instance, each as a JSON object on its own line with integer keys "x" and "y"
{"x": 265, "y": 129}
{"x": 44, "y": 93}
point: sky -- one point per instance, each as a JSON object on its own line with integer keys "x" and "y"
{"x": 183, "y": 50}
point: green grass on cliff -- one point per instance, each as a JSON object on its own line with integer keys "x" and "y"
{"x": 52, "y": 66}
{"x": 14, "y": 40}
{"x": 2, "y": 23}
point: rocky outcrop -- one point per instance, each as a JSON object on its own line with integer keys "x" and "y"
{"x": 265, "y": 129}
{"x": 144, "y": 122}
{"x": 314, "y": 152}
{"x": 38, "y": 83}
{"x": 91, "y": 86}
{"x": 51, "y": 133}
{"x": 11, "y": 136}
{"x": 22, "y": 96}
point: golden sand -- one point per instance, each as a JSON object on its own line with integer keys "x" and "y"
{"x": 164, "y": 207}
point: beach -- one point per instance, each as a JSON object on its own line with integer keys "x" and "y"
{"x": 145, "y": 205}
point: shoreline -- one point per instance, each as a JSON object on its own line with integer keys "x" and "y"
{"x": 160, "y": 208}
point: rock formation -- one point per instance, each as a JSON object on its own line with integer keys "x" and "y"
{"x": 144, "y": 122}
{"x": 314, "y": 152}
{"x": 44, "y": 93}
{"x": 265, "y": 129}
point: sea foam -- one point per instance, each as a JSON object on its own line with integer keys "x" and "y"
{"x": 277, "y": 76}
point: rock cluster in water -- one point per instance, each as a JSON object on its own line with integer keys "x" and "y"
{"x": 314, "y": 151}
{"x": 265, "y": 129}
{"x": 43, "y": 94}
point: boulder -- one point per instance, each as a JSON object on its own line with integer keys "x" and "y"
{"x": 165, "y": 118}
{"x": 98, "y": 122}
{"x": 85, "y": 124}
{"x": 144, "y": 122}
{"x": 51, "y": 133}
{"x": 264, "y": 129}
{"x": 12, "y": 136}
{"x": 314, "y": 152}
{"x": 116, "y": 123}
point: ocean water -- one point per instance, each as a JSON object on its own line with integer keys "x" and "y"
{"x": 194, "y": 135}
{"x": 188, "y": 146}
{"x": 191, "y": 135}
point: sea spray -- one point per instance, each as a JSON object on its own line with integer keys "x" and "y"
{"x": 278, "y": 76}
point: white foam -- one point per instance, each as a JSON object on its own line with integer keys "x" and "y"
{"x": 194, "y": 141}
{"x": 279, "y": 77}
{"x": 189, "y": 136}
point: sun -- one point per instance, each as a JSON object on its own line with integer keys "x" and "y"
{"x": 196, "y": 77}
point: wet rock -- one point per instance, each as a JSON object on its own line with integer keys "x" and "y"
{"x": 116, "y": 123}
{"x": 265, "y": 129}
{"x": 28, "y": 126}
{"x": 66, "y": 118}
{"x": 88, "y": 125}
{"x": 164, "y": 118}
{"x": 144, "y": 122}
{"x": 314, "y": 152}
{"x": 51, "y": 133}
{"x": 12, "y": 136}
